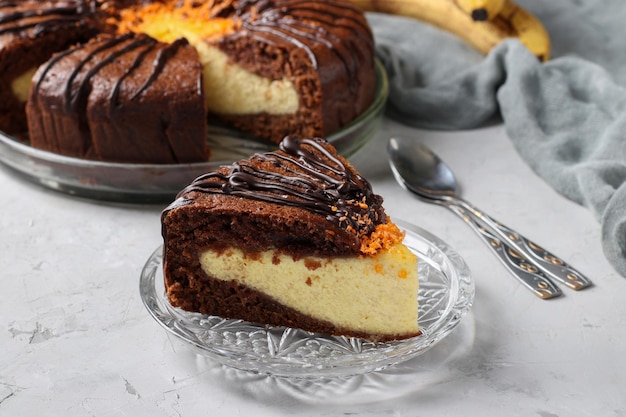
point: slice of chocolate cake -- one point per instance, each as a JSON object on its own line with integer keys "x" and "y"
{"x": 294, "y": 238}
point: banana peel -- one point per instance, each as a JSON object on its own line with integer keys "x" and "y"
{"x": 512, "y": 21}
{"x": 481, "y": 10}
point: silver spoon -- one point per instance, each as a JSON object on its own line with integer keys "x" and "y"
{"x": 419, "y": 170}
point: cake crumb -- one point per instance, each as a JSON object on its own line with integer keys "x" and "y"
{"x": 383, "y": 237}
{"x": 312, "y": 264}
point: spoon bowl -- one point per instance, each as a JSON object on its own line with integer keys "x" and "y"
{"x": 422, "y": 172}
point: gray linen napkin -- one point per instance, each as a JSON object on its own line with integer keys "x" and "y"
{"x": 566, "y": 117}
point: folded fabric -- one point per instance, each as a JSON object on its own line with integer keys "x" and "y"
{"x": 565, "y": 117}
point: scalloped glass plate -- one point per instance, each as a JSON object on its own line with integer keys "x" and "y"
{"x": 446, "y": 294}
{"x": 147, "y": 183}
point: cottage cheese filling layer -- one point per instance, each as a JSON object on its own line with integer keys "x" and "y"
{"x": 370, "y": 294}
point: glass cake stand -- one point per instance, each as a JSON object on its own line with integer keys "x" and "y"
{"x": 148, "y": 183}
{"x": 446, "y": 293}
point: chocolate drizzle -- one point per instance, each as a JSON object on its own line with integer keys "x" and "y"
{"x": 289, "y": 21}
{"x": 105, "y": 53}
{"x": 304, "y": 174}
{"x": 43, "y": 16}
{"x": 163, "y": 56}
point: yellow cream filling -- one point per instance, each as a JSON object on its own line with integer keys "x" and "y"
{"x": 371, "y": 294}
{"x": 20, "y": 86}
{"x": 228, "y": 88}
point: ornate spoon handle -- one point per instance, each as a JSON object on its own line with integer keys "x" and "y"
{"x": 552, "y": 265}
{"x": 516, "y": 263}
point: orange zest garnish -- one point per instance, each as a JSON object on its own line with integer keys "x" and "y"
{"x": 383, "y": 237}
{"x": 170, "y": 20}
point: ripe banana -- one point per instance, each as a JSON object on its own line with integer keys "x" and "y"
{"x": 481, "y": 10}
{"x": 512, "y": 22}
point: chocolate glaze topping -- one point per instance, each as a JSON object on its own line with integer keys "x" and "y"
{"x": 303, "y": 174}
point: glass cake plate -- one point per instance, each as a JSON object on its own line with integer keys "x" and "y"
{"x": 146, "y": 183}
{"x": 446, "y": 294}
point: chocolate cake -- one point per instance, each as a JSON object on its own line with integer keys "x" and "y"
{"x": 124, "y": 98}
{"x": 271, "y": 68}
{"x": 294, "y": 238}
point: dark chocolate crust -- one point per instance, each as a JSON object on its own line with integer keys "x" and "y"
{"x": 224, "y": 209}
{"x": 122, "y": 99}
